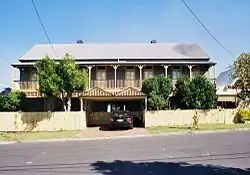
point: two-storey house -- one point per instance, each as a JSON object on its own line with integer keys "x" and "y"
{"x": 116, "y": 71}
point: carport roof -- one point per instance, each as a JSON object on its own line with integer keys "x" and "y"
{"x": 127, "y": 92}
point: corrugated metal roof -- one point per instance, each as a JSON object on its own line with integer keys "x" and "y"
{"x": 98, "y": 92}
{"x": 129, "y": 92}
{"x": 117, "y": 50}
{"x": 225, "y": 78}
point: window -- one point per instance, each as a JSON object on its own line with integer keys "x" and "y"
{"x": 33, "y": 75}
{"x": 130, "y": 77}
{"x": 148, "y": 72}
{"x": 130, "y": 73}
{"x": 176, "y": 73}
{"x": 101, "y": 73}
{"x": 24, "y": 74}
{"x": 196, "y": 72}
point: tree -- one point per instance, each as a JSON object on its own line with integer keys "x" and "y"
{"x": 242, "y": 73}
{"x": 60, "y": 80}
{"x": 71, "y": 79}
{"x": 197, "y": 93}
{"x": 182, "y": 93}
{"x": 14, "y": 101}
{"x": 203, "y": 93}
{"x": 46, "y": 70}
{"x": 157, "y": 89}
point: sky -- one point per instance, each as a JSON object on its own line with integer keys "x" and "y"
{"x": 116, "y": 21}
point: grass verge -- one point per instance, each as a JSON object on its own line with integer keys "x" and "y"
{"x": 37, "y": 135}
{"x": 203, "y": 127}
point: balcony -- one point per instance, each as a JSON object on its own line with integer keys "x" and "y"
{"x": 33, "y": 86}
{"x": 110, "y": 84}
{"x": 106, "y": 84}
{"x": 27, "y": 85}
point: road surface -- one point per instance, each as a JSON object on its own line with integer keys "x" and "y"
{"x": 196, "y": 154}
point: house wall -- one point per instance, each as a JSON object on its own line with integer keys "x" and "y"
{"x": 42, "y": 121}
{"x": 159, "y": 70}
{"x": 202, "y": 70}
{"x": 205, "y": 71}
{"x": 131, "y": 105}
{"x": 185, "y": 71}
{"x": 185, "y": 117}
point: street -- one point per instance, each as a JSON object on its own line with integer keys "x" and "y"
{"x": 196, "y": 154}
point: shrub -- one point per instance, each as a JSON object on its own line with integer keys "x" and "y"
{"x": 156, "y": 102}
{"x": 196, "y": 120}
{"x": 12, "y": 102}
{"x": 243, "y": 115}
{"x": 182, "y": 93}
{"x": 197, "y": 93}
{"x": 157, "y": 89}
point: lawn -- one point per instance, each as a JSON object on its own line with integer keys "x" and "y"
{"x": 37, "y": 135}
{"x": 204, "y": 127}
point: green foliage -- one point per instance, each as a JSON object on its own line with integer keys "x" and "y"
{"x": 13, "y": 101}
{"x": 243, "y": 115}
{"x": 198, "y": 93}
{"x": 157, "y": 89}
{"x": 62, "y": 79}
{"x": 242, "y": 72}
{"x": 196, "y": 120}
{"x": 203, "y": 93}
{"x": 71, "y": 78}
{"x": 48, "y": 77}
{"x": 156, "y": 102}
{"x": 183, "y": 93}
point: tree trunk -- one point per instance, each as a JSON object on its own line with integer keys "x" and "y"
{"x": 64, "y": 103}
{"x": 64, "y": 106}
{"x": 69, "y": 104}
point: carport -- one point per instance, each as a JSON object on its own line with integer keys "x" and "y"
{"x": 98, "y": 103}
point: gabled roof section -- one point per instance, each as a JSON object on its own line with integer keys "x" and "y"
{"x": 225, "y": 78}
{"x": 97, "y": 92}
{"x": 129, "y": 92}
{"x": 118, "y": 50}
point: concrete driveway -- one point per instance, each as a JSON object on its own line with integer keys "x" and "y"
{"x": 96, "y": 132}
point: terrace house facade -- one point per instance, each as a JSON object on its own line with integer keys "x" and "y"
{"x": 115, "y": 71}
